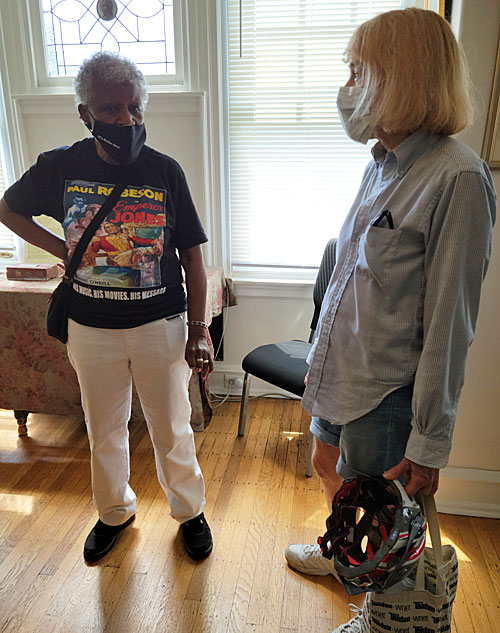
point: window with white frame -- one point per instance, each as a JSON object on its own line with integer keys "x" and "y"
{"x": 146, "y": 31}
{"x": 8, "y": 242}
{"x": 293, "y": 172}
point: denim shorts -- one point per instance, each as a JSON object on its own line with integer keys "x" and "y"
{"x": 374, "y": 442}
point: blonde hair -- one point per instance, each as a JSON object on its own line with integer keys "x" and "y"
{"x": 413, "y": 72}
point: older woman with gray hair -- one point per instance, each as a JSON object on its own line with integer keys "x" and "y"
{"x": 387, "y": 366}
{"x": 120, "y": 327}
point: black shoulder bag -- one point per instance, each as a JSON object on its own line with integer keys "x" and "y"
{"x": 57, "y": 315}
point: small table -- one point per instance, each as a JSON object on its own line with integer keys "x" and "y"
{"x": 35, "y": 373}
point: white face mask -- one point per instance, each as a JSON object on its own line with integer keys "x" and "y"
{"x": 360, "y": 127}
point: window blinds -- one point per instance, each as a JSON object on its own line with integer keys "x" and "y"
{"x": 293, "y": 171}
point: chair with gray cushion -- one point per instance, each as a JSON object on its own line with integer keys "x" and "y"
{"x": 284, "y": 364}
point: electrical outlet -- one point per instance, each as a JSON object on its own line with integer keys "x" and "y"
{"x": 233, "y": 380}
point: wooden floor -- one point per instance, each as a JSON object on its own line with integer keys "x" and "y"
{"x": 258, "y": 501}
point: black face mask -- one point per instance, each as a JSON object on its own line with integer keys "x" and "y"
{"x": 121, "y": 142}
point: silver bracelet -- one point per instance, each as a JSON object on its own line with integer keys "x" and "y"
{"x": 200, "y": 323}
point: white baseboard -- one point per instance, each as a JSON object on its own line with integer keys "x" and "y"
{"x": 463, "y": 491}
{"x": 469, "y": 492}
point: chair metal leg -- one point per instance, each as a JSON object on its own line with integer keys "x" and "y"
{"x": 244, "y": 404}
{"x": 310, "y": 447}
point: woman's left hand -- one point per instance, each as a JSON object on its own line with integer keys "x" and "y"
{"x": 198, "y": 355}
{"x": 417, "y": 477}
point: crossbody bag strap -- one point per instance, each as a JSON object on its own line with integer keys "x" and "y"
{"x": 89, "y": 232}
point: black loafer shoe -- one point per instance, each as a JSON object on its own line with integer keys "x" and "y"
{"x": 197, "y": 537}
{"x": 102, "y": 539}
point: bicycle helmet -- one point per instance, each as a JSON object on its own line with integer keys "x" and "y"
{"x": 381, "y": 547}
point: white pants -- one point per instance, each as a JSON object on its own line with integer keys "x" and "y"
{"x": 105, "y": 362}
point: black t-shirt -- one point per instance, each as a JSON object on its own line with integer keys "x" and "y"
{"x": 130, "y": 273}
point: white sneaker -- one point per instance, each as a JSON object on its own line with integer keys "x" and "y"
{"x": 360, "y": 623}
{"x": 353, "y": 626}
{"x": 308, "y": 559}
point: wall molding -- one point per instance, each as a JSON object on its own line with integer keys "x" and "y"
{"x": 469, "y": 492}
{"x": 473, "y": 474}
{"x": 159, "y": 104}
{"x": 468, "y": 508}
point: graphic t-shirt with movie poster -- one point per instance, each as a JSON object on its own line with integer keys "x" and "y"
{"x": 130, "y": 273}
{"x": 126, "y": 250}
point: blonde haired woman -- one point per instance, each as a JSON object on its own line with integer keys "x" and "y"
{"x": 387, "y": 366}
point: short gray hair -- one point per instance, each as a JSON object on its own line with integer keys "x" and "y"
{"x": 105, "y": 67}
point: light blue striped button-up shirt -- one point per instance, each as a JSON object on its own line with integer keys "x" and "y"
{"x": 402, "y": 303}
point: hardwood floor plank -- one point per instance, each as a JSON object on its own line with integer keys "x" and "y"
{"x": 36, "y": 615}
{"x": 468, "y": 597}
{"x": 291, "y": 600}
{"x": 488, "y": 545}
{"x": 28, "y": 557}
{"x": 187, "y": 616}
{"x": 487, "y": 599}
{"x": 40, "y": 476}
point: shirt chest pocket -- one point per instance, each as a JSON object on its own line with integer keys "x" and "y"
{"x": 376, "y": 253}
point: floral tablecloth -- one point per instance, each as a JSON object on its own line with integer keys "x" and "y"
{"x": 35, "y": 374}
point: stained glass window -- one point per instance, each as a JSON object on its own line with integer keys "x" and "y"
{"x": 142, "y": 30}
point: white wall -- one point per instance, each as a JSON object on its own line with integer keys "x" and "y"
{"x": 177, "y": 125}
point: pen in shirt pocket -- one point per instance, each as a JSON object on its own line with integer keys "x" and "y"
{"x": 380, "y": 218}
